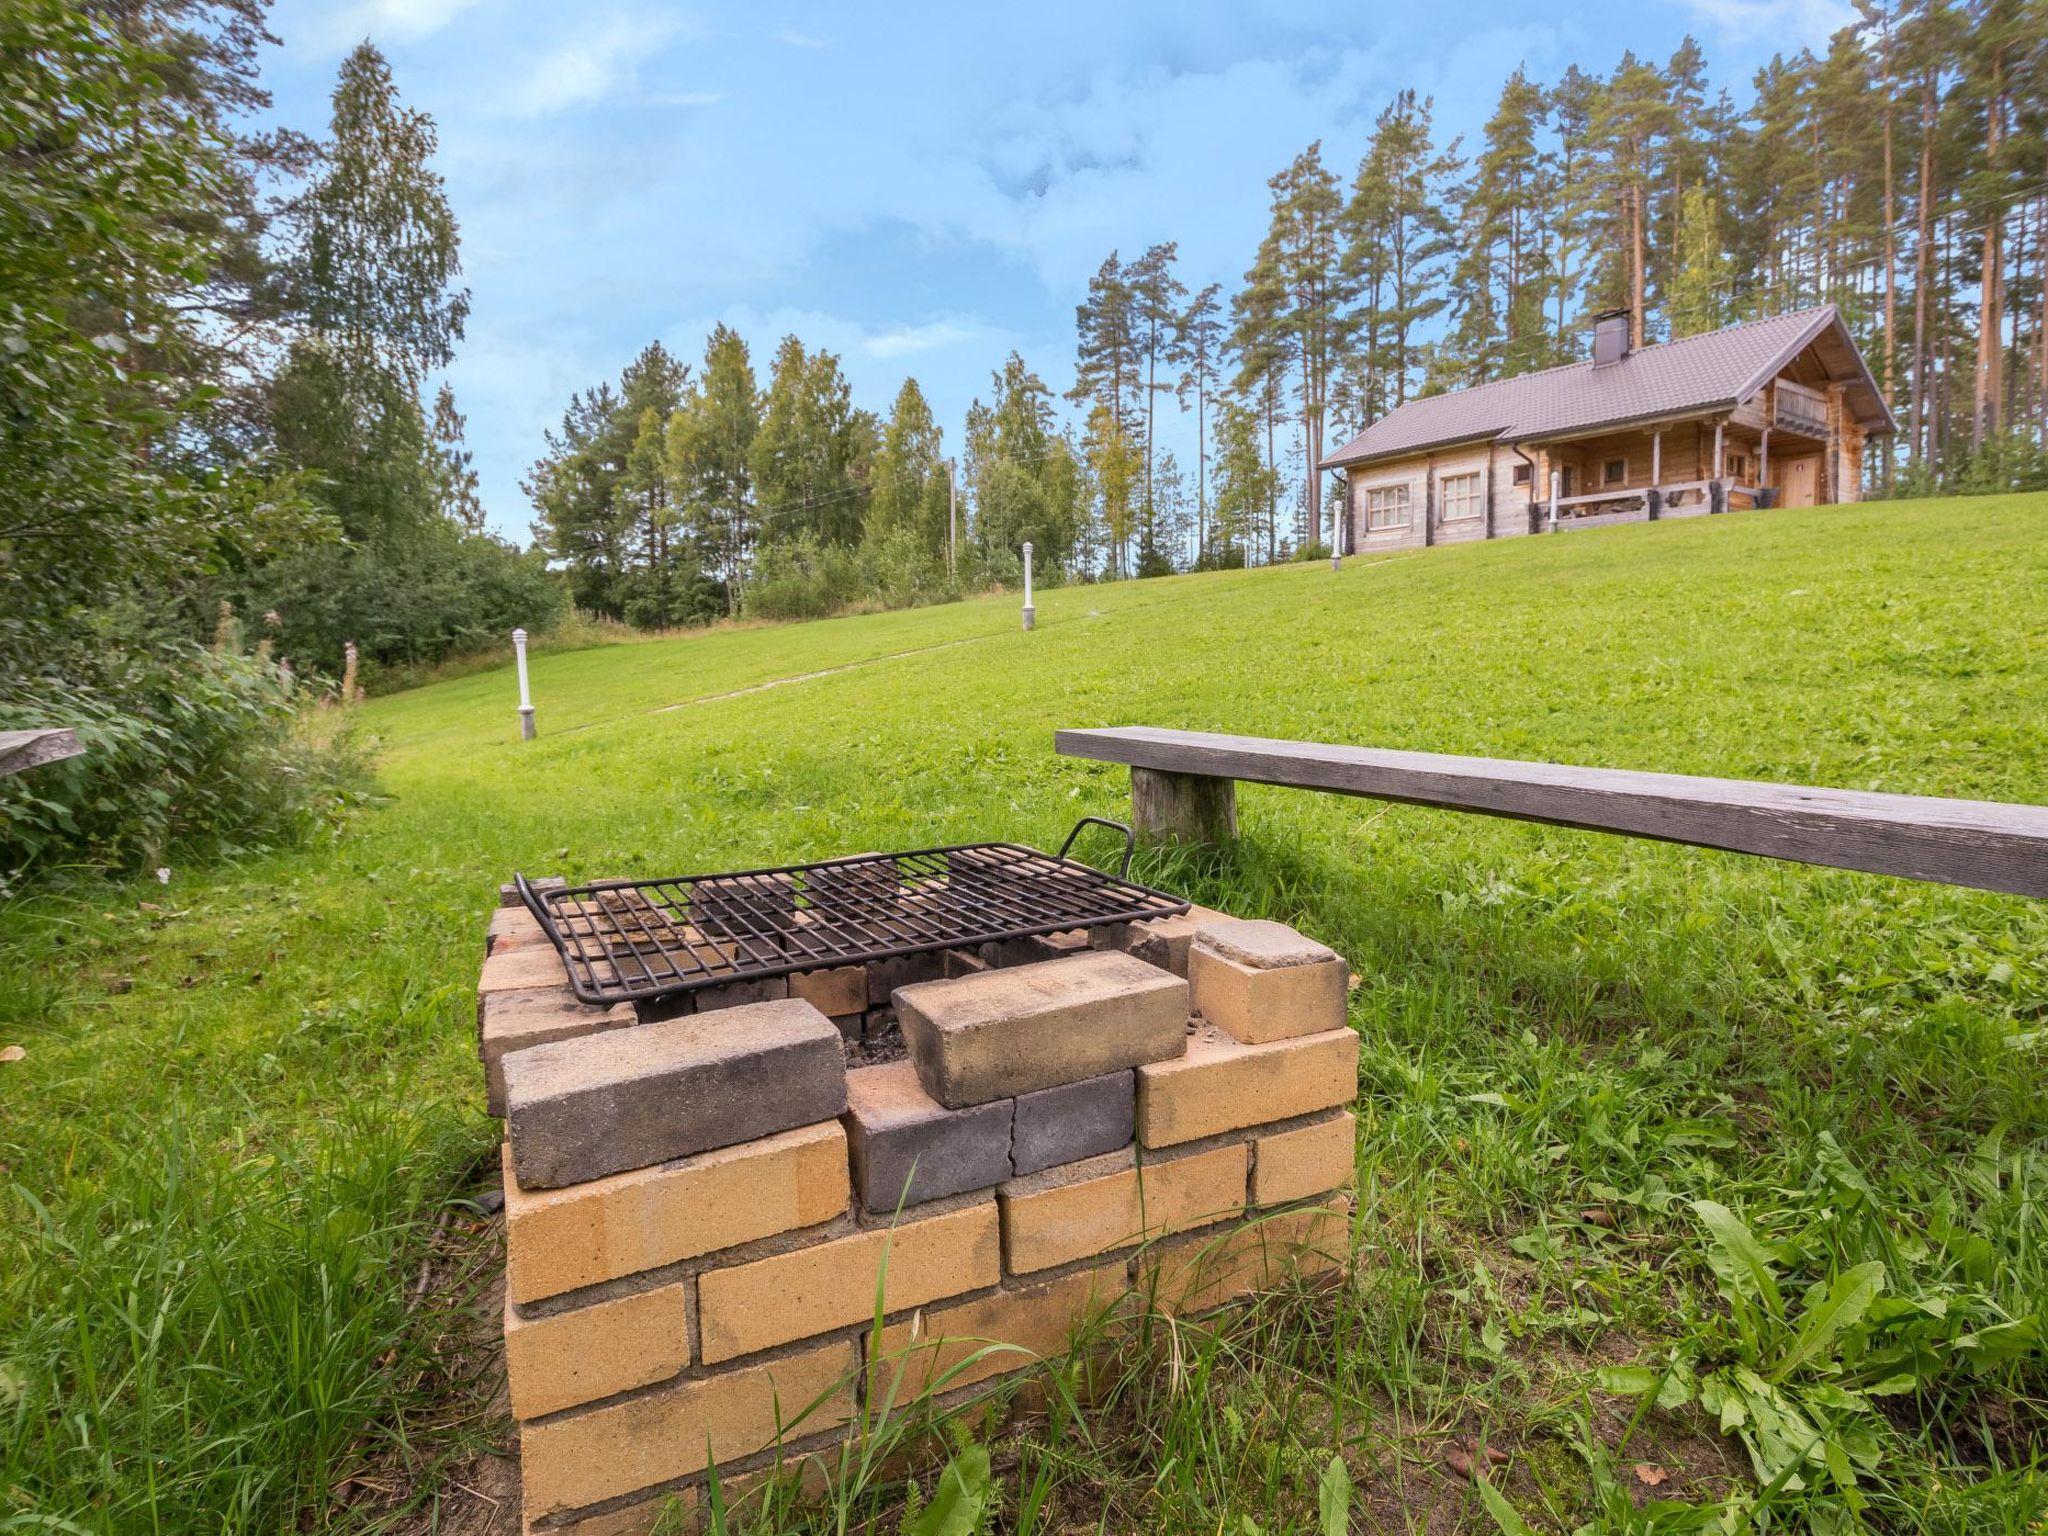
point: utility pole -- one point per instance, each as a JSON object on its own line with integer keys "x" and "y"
{"x": 952, "y": 513}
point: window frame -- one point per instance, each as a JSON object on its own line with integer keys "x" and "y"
{"x": 1471, "y": 493}
{"x": 1399, "y": 490}
{"x": 1608, "y": 477}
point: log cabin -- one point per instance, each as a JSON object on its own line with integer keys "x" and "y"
{"x": 1768, "y": 413}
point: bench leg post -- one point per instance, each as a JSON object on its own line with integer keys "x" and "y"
{"x": 1182, "y": 807}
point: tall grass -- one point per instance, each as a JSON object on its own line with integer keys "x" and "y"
{"x": 247, "y": 1093}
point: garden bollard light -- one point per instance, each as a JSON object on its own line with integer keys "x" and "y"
{"x": 1030, "y": 613}
{"x": 525, "y": 698}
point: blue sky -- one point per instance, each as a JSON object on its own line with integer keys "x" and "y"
{"x": 920, "y": 188}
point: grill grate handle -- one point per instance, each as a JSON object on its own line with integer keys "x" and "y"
{"x": 1123, "y": 870}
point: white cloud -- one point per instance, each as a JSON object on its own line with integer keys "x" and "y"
{"x": 906, "y": 341}
{"x": 1810, "y": 22}
{"x": 687, "y": 98}
{"x": 596, "y": 64}
{"x": 385, "y": 21}
{"x": 791, "y": 38}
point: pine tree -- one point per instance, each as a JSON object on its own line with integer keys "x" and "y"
{"x": 1697, "y": 298}
{"x": 1501, "y": 283}
{"x": 381, "y": 253}
{"x": 1304, "y": 294}
{"x": 813, "y": 452}
{"x": 1398, "y": 237}
{"x": 1631, "y": 117}
{"x": 458, "y": 478}
{"x": 911, "y": 479}
{"x": 1202, "y": 347}
{"x": 709, "y": 450}
{"x": 1155, "y": 313}
{"x": 1024, "y": 477}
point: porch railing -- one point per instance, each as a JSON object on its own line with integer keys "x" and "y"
{"x": 1800, "y": 408}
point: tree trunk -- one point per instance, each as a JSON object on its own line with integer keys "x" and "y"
{"x": 1918, "y": 430}
{"x": 1986, "y": 395}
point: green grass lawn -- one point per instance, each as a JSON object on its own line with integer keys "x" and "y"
{"x": 249, "y": 1095}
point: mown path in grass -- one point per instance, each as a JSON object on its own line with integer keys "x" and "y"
{"x": 245, "y": 1091}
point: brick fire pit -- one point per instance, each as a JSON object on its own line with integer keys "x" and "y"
{"x": 698, "y": 1209}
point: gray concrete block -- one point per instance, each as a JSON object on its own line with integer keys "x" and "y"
{"x": 508, "y": 893}
{"x": 579, "y": 1109}
{"x": 904, "y": 1146}
{"x": 885, "y": 976}
{"x": 1073, "y": 1121}
{"x": 1002, "y": 1033}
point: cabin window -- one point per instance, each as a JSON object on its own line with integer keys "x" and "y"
{"x": 1614, "y": 472}
{"x": 1738, "y": 465}
{"x": 1386, "y": 506}
{"x": 1521, "y": 474}
{"x": 1461, "y": 496}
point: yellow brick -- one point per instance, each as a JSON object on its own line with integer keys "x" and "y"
{"x": 937, "y": 1349}
{"x": 836, "y": 992}
{"x": 1292, "y": 1165}
{"x": 576, "y": 1357}
{"x": 1224, "y": 1085}
{"x": 670, "y": 1514}
{"x": 1198, "y": 1274}
{"x": 829, "y": 1285}
{"x": 1049, "y": 1219}
{"x": 577, "y": 1459}
{"x": 1257, "y": 1006}
{"x": 559, "y": 1239}
{"x": 517, "y": 969}
{"x": 512, "y": 928}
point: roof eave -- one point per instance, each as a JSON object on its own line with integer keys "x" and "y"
{"x": 1339, "y": 460}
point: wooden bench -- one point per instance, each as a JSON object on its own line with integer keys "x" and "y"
{"x": 1183, "y": 789}
{"x": 22, "y": 750}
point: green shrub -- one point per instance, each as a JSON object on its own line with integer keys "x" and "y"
{"x": 190, "y": 753}
{"x": 801, "y": 578}
{"x": 435, "y": 595}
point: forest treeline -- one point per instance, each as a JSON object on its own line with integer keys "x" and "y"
{"x": 218, "y": 466}
{"x": 1899, "y": 174}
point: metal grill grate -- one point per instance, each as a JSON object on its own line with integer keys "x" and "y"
{"x": 633, "y": 940}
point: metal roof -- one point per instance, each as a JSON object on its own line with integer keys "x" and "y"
{"x": 1716, "y": 370}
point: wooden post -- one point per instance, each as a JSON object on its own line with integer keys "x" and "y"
{"x": 1182, "y": 807}
{"x": 1555, "y": 492}
{"x": 1653, "y": 502}
{"x": 1719, "y": 499}
{"x": 1763, "y": 458}
{"x": 1489, "y": 490}
{"x": 1429, "y": 501}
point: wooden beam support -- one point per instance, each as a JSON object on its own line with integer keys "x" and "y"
{"x": 22, "y": 750}
{"x": 1988, "y": 845}
{"x": 1182, "y": 807}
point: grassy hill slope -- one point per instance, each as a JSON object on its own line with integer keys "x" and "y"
{"x": 248, "y": 1092}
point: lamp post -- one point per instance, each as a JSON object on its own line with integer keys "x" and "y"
{"x": 525, "y": 698}
{"x": 1030, "y": 613}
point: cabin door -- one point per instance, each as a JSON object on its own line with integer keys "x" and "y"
{"x": 1798, "y": 481}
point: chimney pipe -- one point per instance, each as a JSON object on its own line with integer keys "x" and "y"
{"x": 1610, "y": 337}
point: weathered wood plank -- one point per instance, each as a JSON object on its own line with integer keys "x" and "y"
{"x": 1182, "y": 807}
{"x": 1985, "y": 844}
{"x": 22, "y": 750}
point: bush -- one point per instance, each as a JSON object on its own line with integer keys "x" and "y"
{"x": 803, "y": 579}
{"x": 438, "y": 593}
{"x": 189, "y": 754}
{"x": 1313, "y": 550}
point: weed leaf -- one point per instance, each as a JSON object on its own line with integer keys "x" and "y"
{"x": 1737, "y": 1257}
{"x": 963, "y": 1488}
{"x": 1333, "y": 1498}
{"x": 1845, "y": 1303}
{"x": 1505, "y": 1515}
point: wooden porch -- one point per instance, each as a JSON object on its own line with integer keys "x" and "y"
{"x": 1773, "y": 450}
